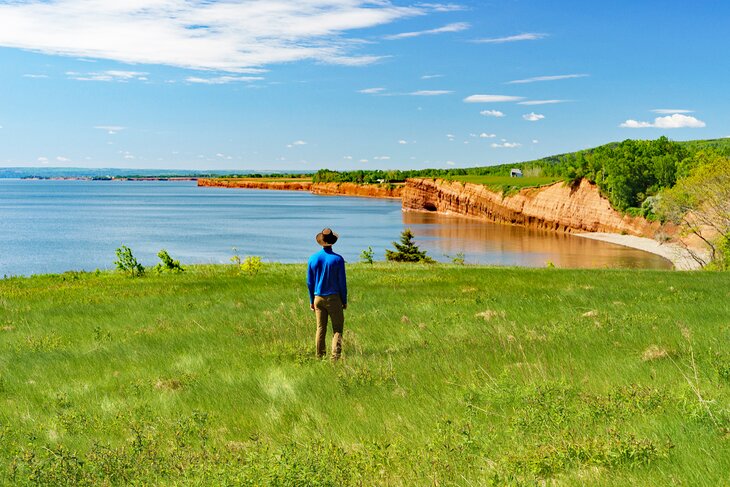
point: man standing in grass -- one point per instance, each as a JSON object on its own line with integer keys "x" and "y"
{"x": 327, "y": 292}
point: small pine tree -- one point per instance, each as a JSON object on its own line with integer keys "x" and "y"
{"x": 407, "y": 250}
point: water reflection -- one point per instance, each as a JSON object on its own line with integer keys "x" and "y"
{"x": 489, "y": 243}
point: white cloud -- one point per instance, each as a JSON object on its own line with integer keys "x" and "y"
{"x": 542, "y": 102}
{"x": 668, "y": 111}
{"x": 485, "y": 135}
{"x": 35, "y": 76}
{"x": 222, "y": 80}
{"x": 403, "y": 142}
{"x": 533, "y": 117}
{"x": 111, "y": 75}
{"x": 110, "y": 129}
{"x": 529, "y": 36}
{"x": 432, "y": 76}
{"x": 382, "y": 158}
{"x": 296, "y": 143}
{"x": 546, "y": 78}
{"x": 492, "y": 98}
{"x": 349, "y": 158}
{"x": 451, "y": 137}
{"x": 230, "y": 36}
{"x": 676, "y": 121}
{"x": 506, "y": 145}
{"x": 535, "y": 141}
{"x": 492, "y": 113}
{"x": 455, "y": 27}
{"x": 450, "y": 163}
{"x": 371, "y": 91}
{"x": 63, "y": 159}
{"x": 634, "y": 124}
{"x": 43, "y": 160}
{"x": 363, "y": 160}
{"x": 430, "y": 93}
{"x": 443, "y": 7}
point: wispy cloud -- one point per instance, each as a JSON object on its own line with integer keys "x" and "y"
{"x": 35, "y": 76}
{"x": 492, "y": 98}
{"x": 222, "y": 80}
{"x": 506, "y": 145}
{"x": 455, "y": 27}
{"x": 533, "y": 117}
{"x": 111, "y": 75}
{"x": 371, "y": 91}
{"x": 403, "y": 142}
{"x": 676, "y": 121}
{"x": 430, "y": 93}
{"x": 542, "y": 102}
{"x": 230, "y": 36}
{"x": 432, "y": 76}
{"x": 492, "y": 113}
{"x": 485, "y": 135}
{"x": 110, "y": 129}
{"x": 296, "y": 143}
{"x": 528, "y": 36}
{"x": 546, "y": 78}
{"x": 667, "y": 111}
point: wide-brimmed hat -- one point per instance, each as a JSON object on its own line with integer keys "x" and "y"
{"x": 326, "y": 237}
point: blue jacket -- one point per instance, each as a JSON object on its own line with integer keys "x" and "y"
{"x": 326, "y": 275}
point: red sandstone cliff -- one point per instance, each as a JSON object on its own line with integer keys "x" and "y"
{"x": 341, "y": 189}
{"x": 254, "y": 184}
{"x": 556, "y": 207}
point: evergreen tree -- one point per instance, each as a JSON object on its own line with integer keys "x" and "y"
{"x": 407, "y": 250}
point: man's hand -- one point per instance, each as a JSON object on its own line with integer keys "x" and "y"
{"x": 311, "y": 306}
{"x": 344, "y": 306}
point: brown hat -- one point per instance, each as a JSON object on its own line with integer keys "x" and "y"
{"x": 327, "y": 237}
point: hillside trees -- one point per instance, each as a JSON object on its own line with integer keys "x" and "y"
{"x": 700, "y": 205}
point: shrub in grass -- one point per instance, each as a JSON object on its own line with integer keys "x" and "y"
{"x": 251, "y": 265}
{"x": 367, "y": 255}
{"x": 167, "y": 263}
{"x": 407, "y": 250}
{"x": 127, "y": 263}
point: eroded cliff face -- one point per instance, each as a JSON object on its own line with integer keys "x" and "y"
{"x": 363, "y": 190}
{"x": 556, "y": 207}
{"x": 253, "y": 184}
{"x": 341, "y": 189}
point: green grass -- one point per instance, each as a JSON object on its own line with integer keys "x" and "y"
{"x": 451, "y": 375}
{"x": 506, "y": 183}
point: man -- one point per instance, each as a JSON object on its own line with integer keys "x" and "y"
{"x": 327, "y": 292}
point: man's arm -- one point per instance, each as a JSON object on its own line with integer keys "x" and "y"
{"x": 310, "y": 284}
{"x": 342, "y": 278}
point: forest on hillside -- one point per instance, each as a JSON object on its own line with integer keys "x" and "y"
{"x": 629, "y": 173}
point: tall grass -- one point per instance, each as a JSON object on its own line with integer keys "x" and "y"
{"x": 451, "y": 375}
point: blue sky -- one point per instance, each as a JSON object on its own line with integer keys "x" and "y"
{"x": 343, "y": 84}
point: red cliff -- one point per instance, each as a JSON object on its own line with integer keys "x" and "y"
{"x": 557, "y": 207}
{"x": 332, "y": 189}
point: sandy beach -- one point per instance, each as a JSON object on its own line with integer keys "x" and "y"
{"x": 673, "y": 252}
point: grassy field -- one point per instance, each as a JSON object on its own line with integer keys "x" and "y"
{"x": 452, "y": 375}
{"x": 506, "y": 183}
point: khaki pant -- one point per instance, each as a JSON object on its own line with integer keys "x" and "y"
{"x": 324, "y": 307}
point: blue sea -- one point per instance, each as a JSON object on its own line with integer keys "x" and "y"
{"x": 52, "y": 226}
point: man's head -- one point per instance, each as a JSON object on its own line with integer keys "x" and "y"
{"x": 326, "y": 238}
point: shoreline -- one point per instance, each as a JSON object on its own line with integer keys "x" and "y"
{"x": 674, "y": 253}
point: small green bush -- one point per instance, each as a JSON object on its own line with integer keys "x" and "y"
{"x": 407, "y": 250}
{"x": 167, "y": 264}
{"x": 127, "y": 263}
{"x": 251, "y": 265}
{"x": 367, "y": 255}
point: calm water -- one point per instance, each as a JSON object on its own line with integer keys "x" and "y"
{"x": 54, "y": 226}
